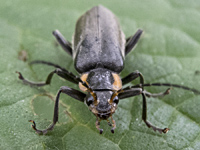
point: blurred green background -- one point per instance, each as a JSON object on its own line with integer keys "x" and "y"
{"x": 168, "y": 51}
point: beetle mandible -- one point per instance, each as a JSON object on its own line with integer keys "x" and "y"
{"x": 99, "y": 48}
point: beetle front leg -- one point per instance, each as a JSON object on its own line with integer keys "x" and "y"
{"x": 66, "y": 90}
{"x": 64, "y": 43}
{"x": 130, "y": 92}
{"x": 144, "y": 117}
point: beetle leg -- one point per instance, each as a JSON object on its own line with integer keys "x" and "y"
{"x": 64, "y": 43}
{"x": 59, "y": 72}
{"x": 134, "y": 91}
{"x": 130, "y": 91}
{"x": 144, "y": 117}
{"x": 70, "y": 74}
{"x": 66, "y": 90}
{"x": 98, "y": 125}
{"x": 132, "y": 41}
{"x": 46, "y": 63}
{"x": 148, "y": 94}
{"x": 132, "y": 76}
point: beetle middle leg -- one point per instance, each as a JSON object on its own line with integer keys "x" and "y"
{"x": 169, "y": 85}
{"x": 132, "y": 76}
{"x": 62, "y": 73}
{"x": 66, "y": 90}
{"x": 71, "y": 77}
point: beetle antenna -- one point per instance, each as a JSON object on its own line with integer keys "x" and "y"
{"x": 91, "y": 92}
{"x": 94, "y": 96}
{"x": 115, "y": 94}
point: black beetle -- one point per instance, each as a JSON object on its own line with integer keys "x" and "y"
{"x": 99, "y": 48}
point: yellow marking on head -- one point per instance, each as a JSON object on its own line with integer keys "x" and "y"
{"x": 84, "y": 79}
{"x": 117, "y": 85}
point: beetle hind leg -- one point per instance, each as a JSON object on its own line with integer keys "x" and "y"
{"x": 132, "y": 41}
{"x": 64, "y": 43}
{"x": 46, "y": 63}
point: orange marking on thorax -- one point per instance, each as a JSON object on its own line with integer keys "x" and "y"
{"x": 84, "y": 79}
{"x": 117, "y": 85}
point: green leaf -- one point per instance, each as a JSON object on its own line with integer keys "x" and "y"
{"x": 167, "y": 52}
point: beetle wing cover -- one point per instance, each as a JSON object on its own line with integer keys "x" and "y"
{"x": 98, "y": 39}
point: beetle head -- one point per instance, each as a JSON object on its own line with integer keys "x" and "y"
{"x": 102, "y": 103}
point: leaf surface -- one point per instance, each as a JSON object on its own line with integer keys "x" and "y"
{"x": 168, "y": 51}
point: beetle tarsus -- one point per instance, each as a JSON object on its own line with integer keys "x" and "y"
{"x": 148, "y": 94}
{"x": 165, "y": 130}
{"x": 41, "y": 131}
{"x": 160, "y": 130}
{"x": 20, "y": 75}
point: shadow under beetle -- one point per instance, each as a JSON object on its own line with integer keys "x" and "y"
{"x": 99, "y": 48}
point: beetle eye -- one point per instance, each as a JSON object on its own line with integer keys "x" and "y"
{"x": 89, "y": 100}
{"x": 116, "y": 100}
